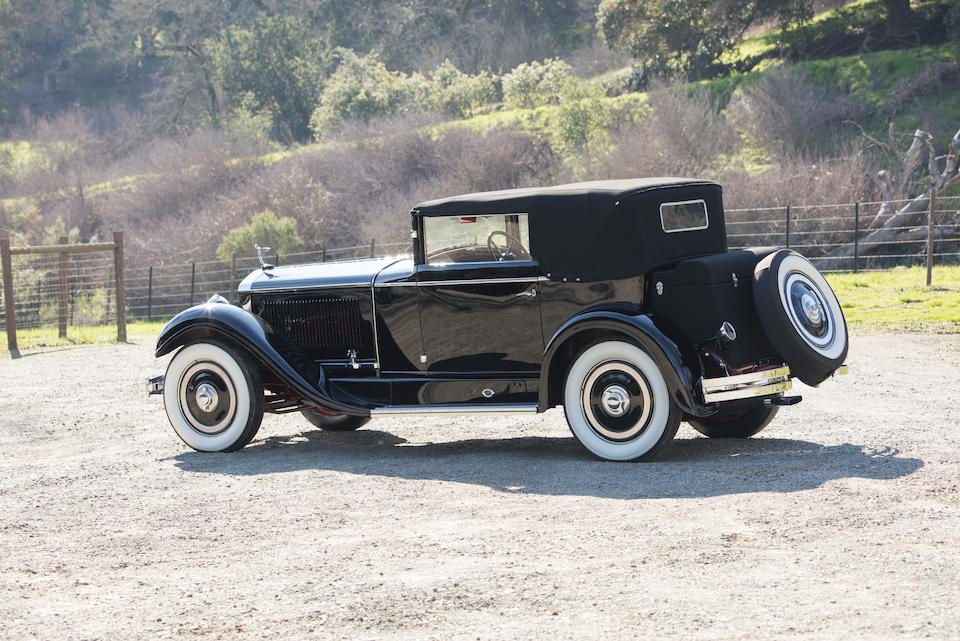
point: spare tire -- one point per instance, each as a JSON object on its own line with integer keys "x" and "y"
{"x": 801, "y": 315}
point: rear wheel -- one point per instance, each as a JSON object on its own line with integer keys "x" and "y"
{"x": 617, "y": 402}
{"x": 334, "y": 422}
{"x": 743, "y": 424}
{"x": 213, "y": 396}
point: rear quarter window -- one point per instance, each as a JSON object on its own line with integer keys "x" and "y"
{"x": 687, "y": 215}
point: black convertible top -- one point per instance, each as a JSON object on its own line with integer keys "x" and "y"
{"x": 601, "y": 229}
{"x": 509, "y": 199}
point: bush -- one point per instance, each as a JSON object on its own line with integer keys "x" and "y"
{"x": 361, "y": 88}
{"x": 532, "y": 84}
{"x": 456, "y": 93}
{"x": 266, "y": 230}
{"x": 786, "y": 113}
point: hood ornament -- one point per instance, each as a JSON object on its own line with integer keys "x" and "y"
{"x": 264, "y": 265}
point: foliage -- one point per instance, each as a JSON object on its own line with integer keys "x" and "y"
{"x": 266, "y": 230}
{"x": 673, "y": 36}
{"x": 455, "y": 93}
{"x": 360, "y": 89}
{"x": 272, "y": 66}
{"x": 532, "y": 84}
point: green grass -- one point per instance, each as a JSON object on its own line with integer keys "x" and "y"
{"x": 898, "y": 300}
{"x": 44, "y": 337}
{"x": 852, "y": 18}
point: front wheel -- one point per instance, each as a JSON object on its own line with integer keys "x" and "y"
{"x": 213, "y": 397}
{"x": 617, "y": 402}
{"x": 742, "y": 424}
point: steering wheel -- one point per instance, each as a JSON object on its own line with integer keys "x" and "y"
{"x": 513, "y": 250}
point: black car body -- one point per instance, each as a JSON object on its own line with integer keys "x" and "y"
{"x": 616, "y": 299}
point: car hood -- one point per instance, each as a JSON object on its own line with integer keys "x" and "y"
{"x": 353, "y": 273}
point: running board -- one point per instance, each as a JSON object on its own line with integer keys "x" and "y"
{"x": 394, "y": 410}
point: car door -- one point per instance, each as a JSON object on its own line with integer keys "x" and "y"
{"x": 479, "y": 291}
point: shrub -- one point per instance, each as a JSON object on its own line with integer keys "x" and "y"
{"x": 787, "y": 113}
{"x": 360, "y": 89}
{"x": 266, "y": 229}
{"x": 456, "y": 93}
{"x": 532, "y": 84}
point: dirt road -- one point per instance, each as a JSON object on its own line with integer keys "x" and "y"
{"x": 841, "y": 520}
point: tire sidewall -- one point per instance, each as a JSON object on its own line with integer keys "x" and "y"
{"x": 663, "y": 419}
{"x": 240, "y": 386}
{"x": 809, "y": 361}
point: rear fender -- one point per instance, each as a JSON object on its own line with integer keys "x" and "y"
{"x": 639, "y": 329}
{"x": 217, "y": 320}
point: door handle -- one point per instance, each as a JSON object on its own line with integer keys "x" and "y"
{"x": 530, "y": 292}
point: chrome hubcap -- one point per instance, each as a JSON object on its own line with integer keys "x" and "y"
{"x": 206, "y": 396}
{"x": 615, "y": 400}
{"x": 811, "y": 308}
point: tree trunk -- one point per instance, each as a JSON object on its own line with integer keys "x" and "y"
{"x": 900, "y": 17}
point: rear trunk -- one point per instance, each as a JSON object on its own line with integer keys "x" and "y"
{"x": 693, "y": 299}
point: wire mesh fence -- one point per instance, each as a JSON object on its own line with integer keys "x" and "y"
{"x": 160, "y": 291}
{"x": 841, "y": 237}
{"x": 89, "y": 293}
{"x": 836, "y": 237}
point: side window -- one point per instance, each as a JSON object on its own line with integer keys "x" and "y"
{"x": 688, "y": 215}
{"x": 475, "y": 238}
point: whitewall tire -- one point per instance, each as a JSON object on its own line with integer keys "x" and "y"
{"x": 213, "y": 397}
{"x": 617, "y": 402}
{"x": 800, "y": 315}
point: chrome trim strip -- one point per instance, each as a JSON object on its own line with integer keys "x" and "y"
{"x": 398, "y": 284}
{"x": 396, "y": 410}
{"x": 749, "y": 392}
{"x": 314, "y": 287}
{"x": 479, "y": 281}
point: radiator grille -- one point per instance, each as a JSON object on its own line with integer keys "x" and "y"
{"x": 327, "y": 325}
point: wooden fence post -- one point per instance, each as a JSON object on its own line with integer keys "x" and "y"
{"x": 11, "y": 315}
{"x": 118, "y": 279}
{"x": 323, "y": 255}
{"x": 373, "y": 247}
{"x": 62, "y": 325}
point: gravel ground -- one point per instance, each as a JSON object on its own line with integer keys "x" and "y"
{"x": 840, "y": 520}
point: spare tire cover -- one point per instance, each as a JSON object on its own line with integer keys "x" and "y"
{"x": 801, "y": 315}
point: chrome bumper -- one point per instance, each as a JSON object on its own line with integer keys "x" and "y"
{"x": 155, "y": 385}
{"x": 763, "y": 383}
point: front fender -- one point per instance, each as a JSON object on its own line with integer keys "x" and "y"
{"x": 219, "y": 320}
{"x": 640, "y": 329}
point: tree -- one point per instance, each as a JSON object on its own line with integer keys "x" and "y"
{"x": 278, "y": 61}
{"x": 687, "y": 36}
{"x": 266, "y": 230}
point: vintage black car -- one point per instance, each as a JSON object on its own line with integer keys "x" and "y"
{"x": 617, "y": 299}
